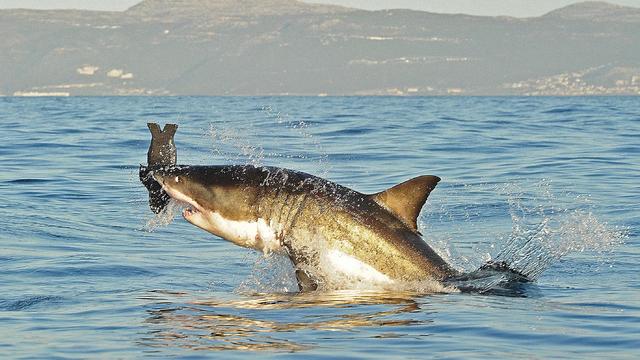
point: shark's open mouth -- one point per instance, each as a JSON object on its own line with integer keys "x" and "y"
{"x": 190, "y": 208}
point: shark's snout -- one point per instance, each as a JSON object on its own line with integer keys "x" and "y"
{"x": 166, "y": 179}
{"x": 176, "y": 186}
{"x": 160, "y": 178}
{"x": 180, "y": 188}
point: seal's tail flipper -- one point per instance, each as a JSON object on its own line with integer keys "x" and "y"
{"x": 155, "y": 129}
{"x": 162, "y": 152}
{"x": 170, "y": 130}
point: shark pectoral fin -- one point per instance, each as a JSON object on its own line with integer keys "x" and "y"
{"x": 305, "y": 283}
{"x": 405, "y": 200}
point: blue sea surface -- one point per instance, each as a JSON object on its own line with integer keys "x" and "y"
{"x": 87, "y": 271}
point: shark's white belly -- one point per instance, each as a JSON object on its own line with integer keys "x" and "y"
{"x": 334, "y": 265}
{"x": 259, "y": 234}
{"x": 342, "y": 265}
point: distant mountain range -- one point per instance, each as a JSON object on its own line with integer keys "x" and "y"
{"x": 275, "y": 47}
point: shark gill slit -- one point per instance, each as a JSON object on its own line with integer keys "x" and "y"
{"x": 282, "y": 208}
{"x": 300, "y": 208}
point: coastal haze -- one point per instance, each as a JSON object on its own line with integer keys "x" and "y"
{"x": 286, "y": 47}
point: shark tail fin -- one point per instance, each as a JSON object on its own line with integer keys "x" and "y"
{"x": 494, "y": 277}
{"x": 504, "y": 268}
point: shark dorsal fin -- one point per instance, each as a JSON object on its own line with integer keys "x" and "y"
{"x": 405, "y": 200}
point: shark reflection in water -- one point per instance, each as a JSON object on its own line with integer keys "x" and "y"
{"x": 262, "y": 322}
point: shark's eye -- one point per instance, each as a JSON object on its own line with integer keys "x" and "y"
{"x": 177, "y": 179}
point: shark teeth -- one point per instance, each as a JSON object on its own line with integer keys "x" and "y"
{"x": 189, "y": 211}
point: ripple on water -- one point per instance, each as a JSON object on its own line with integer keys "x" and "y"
{"x": 78, "y": 274}
{"x": 93, "y": 271}
{"x": 29, "y": 302}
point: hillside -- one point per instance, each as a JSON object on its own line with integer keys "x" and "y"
{"x": 254, "y": 47}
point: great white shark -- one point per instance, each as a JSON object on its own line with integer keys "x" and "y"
{"x": 323, "y": 227}
{"x": 373, "y": 237}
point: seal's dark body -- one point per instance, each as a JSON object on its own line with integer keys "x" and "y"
{"x": 162, "y": 152}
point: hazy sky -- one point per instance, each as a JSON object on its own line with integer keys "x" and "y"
{"x": 478, "y": 7}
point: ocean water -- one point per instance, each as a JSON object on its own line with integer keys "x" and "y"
{"x": 552, "y": 184}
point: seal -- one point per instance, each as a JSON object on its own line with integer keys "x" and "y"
{"x": 162, "y": 152}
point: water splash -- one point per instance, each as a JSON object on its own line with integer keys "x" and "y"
{"x": 242, "y": 146}
{"x": 544, "y": 227}
{"x": 301, "y": 129}
{"x": 274, "y": 273}
{"x": 243, "y": 149}
{"x": 271, "y": 273}
{"x": 543, "y": 231}
{"x": 165, "y": 217}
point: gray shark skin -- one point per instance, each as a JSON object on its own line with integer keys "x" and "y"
{"x": 312, "y": 220}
